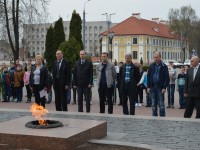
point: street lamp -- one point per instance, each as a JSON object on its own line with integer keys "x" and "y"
{"x": 108, "y": 18}
{"x": 84, "y": 24}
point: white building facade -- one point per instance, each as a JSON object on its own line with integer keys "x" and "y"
{"x": 34, "y": 37}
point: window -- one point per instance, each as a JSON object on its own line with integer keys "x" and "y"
{"x": 135, "y": 41}
{"x": 147, "y": 54}
{"x": 147, "y": 40}
{"x": 134, "y": 54}
{"x": 154, "y": 42}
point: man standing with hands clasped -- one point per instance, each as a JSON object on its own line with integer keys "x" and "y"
{"x": 157, "y": 81}
{"x": 106, "y": 75}
{"x": 83, "y": 80}
{"x": 192, "y": 88}
{"x": 61, "y": 81}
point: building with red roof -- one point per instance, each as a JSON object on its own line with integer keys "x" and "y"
{"x": 142, "y": 38}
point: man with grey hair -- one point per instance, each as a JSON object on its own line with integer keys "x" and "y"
{"x": 106, "y": 75}
{"x": 129, "y": 77}
{"x": 83, "y": 80}
{"x": 61, "y": 81}
{"x": 192, "y": 88}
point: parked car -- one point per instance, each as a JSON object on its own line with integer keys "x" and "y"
{"x": 187, "y": 62}
{"x": 176, "y": 63}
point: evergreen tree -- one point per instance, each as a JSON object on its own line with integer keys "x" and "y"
{"x": 76, "y": 28}
{"x": 71, "y": 49}
{"x": 59, "y": 34}
{"x": 49, "y": 48}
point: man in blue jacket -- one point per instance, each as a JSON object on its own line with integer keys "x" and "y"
{"x": 157, "y": 81}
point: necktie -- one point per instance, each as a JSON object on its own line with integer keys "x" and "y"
{"x": 58, "y": 70}
{"x": 194, "y": 74}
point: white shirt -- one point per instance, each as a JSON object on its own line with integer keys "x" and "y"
{"x": 195, "y": 72}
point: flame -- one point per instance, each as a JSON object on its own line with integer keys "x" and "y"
{"x": 38, "y": 112}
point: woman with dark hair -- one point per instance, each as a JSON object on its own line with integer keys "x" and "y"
{"x": 39, "y": 80}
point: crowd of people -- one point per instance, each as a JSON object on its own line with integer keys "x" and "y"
{"x": 131, "y": 79}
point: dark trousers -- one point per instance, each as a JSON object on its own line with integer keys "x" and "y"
{"x": 18, "y": 91}
{"x": 60, "y": 96}
{"x": 105, "y": 92}
{"x": 38, "y": 100}
{"x": 28, "y": 90}
{"x": 139, "y": 94}
{"x": 182, "y": 100}
{"x": 12, "y": 91}
{"x": 6, "y": 92}
{"x": 148, "y": 98}
{"x": 86, "y": 92}
{"x": 128, "y": 95}
{"x": 170, "y": 91}
{"x": 74, "y": 94}
{"x": 190, "y": 104}
{"x": 120, "y": 96}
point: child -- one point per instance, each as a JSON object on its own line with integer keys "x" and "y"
{"x": 12, "y": 89}
{"x": 18, "y": 82}
{"x": 143, "y": 81}
{"x": 6, "y": 84}
{"x": 180, "y": 87}
{"x": 26, "y": 82}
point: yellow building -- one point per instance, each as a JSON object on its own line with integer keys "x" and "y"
{"x": 142, "y": 38}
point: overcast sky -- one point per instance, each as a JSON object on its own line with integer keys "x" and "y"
{"x": 123, "y": 8}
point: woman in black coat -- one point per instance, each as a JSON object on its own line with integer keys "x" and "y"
{"x": 39, "y": 80}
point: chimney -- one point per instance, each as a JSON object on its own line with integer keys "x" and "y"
{"x": 156, "y": 20}
{"x": 136, "y": 15}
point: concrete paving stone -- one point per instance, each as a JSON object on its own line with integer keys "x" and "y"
{"x": 139, "y": 130}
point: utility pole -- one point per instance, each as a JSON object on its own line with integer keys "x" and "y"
{"x": 108, "y": 18}
{"x": 84, "y": 24}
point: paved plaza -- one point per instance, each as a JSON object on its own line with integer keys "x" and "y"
{"x": 172, "y": 131}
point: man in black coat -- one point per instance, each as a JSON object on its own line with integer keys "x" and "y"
{"x": 129, "y": 77}
{"x": 61, "y": 81}
{"x": 192, "y": 88}
{"x": 83, "y": 80}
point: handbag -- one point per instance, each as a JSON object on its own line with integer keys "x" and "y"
{"x": 21, "y": 82}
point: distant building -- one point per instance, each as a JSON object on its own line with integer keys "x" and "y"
{"x": 142, "y": 38}
{"x": 34, "y": 37}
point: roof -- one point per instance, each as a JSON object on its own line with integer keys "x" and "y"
{"x": 138, "y": 26}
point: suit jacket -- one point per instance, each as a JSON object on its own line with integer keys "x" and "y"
{"x": 83, "y": 74}
{"x": 65, "y": 74}
{"x": 134, "y": 78}
{"x": 43, "y": 77}
{"x": 192, "y": 88}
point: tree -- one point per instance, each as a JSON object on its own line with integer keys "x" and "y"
{"x": 183, "y": 22}
{"x": 71, "y": 49}
{"x": 15, "y": 13}
{"x": 59, "y": 34}
{"x": 76, "y": 28}
{"x": 49, "y": 48}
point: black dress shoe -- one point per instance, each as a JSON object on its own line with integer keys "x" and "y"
{"x": 119, "y": 104}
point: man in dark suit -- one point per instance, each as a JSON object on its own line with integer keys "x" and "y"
{"x": 61, "y": 81}
{"x": 192, "y": 88}
{"x": 83, "y": 80}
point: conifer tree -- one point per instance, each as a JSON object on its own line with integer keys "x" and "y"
{"x": 76, "y": 28}
{"x": 49, "y": 53}
{"x": 71, "y": 49}
{"x": 59, "y": 34}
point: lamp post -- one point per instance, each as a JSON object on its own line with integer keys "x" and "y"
{"x": 84, "y": 24}
{"x": 108, "y": 18}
